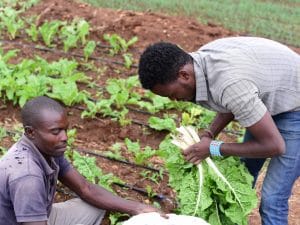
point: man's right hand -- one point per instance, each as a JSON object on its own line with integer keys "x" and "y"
{"x": 198, "y": 152}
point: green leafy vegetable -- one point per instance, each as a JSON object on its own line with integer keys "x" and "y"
{"x": 204, "y": 192}
{"x": 162, "y": 124}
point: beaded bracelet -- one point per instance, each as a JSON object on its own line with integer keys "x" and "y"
{"x": 214, "y": 148}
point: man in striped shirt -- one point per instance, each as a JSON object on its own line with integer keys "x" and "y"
{"x": 255, "y": 81}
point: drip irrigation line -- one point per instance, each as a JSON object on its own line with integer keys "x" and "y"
{"x": 142, "y": 191}
{"x": 139, "y": 110}
{"x": 41, "y": 48}
{"x": 138, "y": 122}
{"x": 78, "y": 107}
{"x": 92, "y": 152}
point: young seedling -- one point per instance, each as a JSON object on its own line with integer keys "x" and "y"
{"x": 10, "y": 20}
{"x": 89, "y": 49}
{"x": 33, "y": 32}
{"x": 69, "y": 36}
{"x": 128, "y": 60}
{"x": 82, "y": 28}
{"x": 118, "y": 44}
{"x": 48, "y": 31}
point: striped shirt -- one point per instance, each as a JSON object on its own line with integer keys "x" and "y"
{"x": 247, "y": 76}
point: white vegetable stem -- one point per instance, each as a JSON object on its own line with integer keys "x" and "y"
{"x": 200, "y": 171}
{"x": 187, "y": 137}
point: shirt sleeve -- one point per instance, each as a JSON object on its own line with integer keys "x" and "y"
{"x": 242, "y": 99}
{"x": 64, "y": 165}
{"x": 28, "y": 196}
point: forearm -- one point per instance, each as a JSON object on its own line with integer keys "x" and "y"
{"x": 101, "y": 198}
{"x": 220, "y": 122}
{"x": 250, "y": 149}
{"x": 266, "y": 142}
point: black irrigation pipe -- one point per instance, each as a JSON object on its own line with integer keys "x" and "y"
{"x": 123, "y": 185}
{"x": 41, "y": 48}
{"x": 139, "y": 110}
{"x": 142, "y": 191}
{"x": 92, "y": 152}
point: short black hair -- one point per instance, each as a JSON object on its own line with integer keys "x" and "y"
{"x": 160, "y": 64}
{"x": 32, "y": 109}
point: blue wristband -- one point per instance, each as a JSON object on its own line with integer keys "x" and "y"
{"x": 214, "y": 148}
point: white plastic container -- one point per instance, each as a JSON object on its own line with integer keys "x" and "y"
{"x": 155, "y": 219}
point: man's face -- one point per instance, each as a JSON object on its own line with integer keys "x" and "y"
{"x": 182, "y": 89}
{"x": 50, "y": 133}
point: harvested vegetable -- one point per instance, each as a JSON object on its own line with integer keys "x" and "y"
{"x": 218, "y": 191}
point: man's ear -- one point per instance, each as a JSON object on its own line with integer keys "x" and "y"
{"x": 185, "y": 73}
{"x": 29, "y": 132}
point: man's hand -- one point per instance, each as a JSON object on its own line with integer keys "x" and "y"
{"x": 198, "y": 152}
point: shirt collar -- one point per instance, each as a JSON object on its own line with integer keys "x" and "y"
{"x": 201, "y": 85}
{"x": 26, "y": 142}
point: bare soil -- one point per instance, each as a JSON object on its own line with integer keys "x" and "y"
{"x": 100, "y": 133}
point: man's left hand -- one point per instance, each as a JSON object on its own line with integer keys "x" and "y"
{"x": 142, "y": 208}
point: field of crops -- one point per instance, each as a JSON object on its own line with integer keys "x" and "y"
{"x": 86, "y": 57}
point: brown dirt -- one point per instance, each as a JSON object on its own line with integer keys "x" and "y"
{"x": 100, "y": 133}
